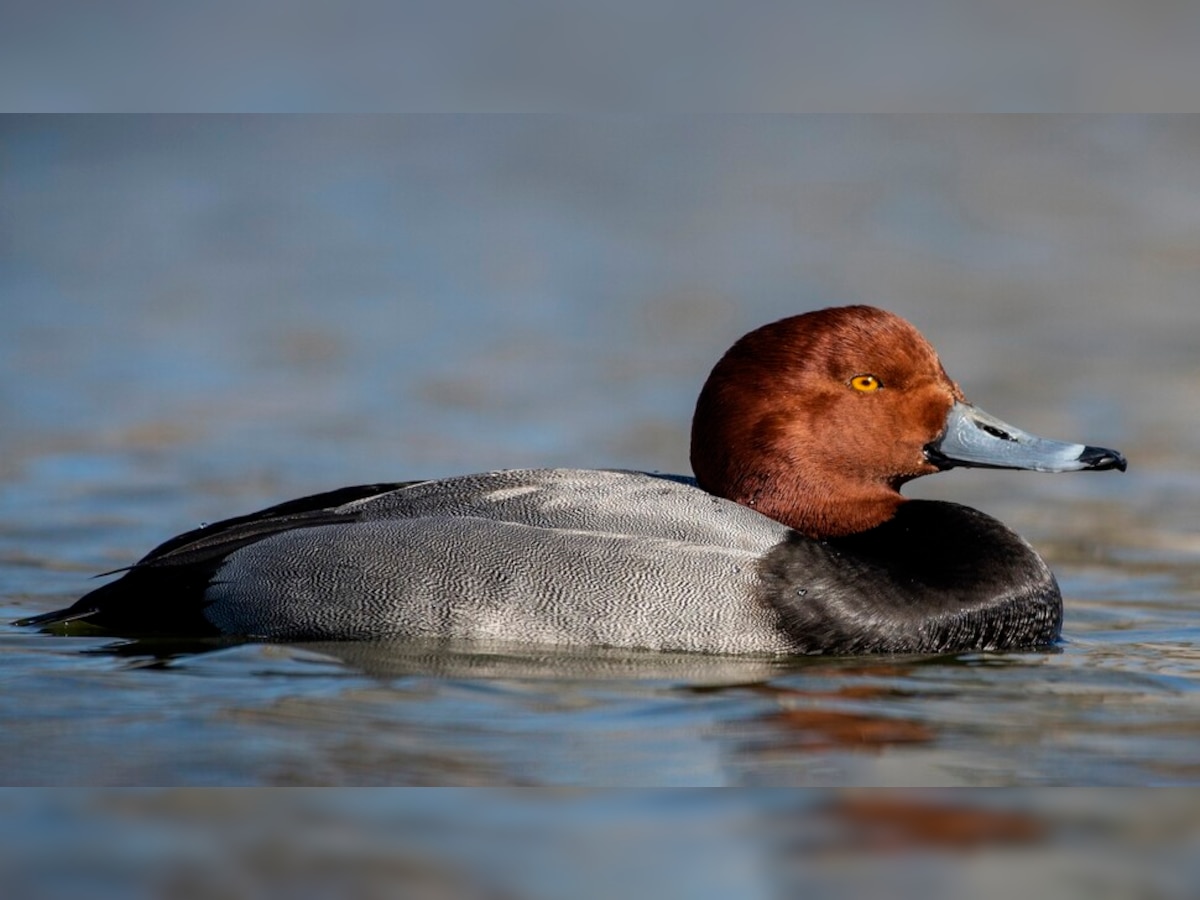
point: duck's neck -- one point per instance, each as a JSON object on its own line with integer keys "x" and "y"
{"x": 832, "y": 507}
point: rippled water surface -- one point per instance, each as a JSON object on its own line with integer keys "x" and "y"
{"x": 203, "y": 317}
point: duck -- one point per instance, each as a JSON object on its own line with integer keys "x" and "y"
{"x": 792, "y": 536}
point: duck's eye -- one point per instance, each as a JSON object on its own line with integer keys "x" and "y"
{"x": 865, "y": 383}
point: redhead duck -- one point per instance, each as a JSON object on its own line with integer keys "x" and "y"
{"x": 792, "y": 538}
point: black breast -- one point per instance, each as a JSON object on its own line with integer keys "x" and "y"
{"x": 937, "y": 578}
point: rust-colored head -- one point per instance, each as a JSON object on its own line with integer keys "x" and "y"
{"x": 818, "y": 419}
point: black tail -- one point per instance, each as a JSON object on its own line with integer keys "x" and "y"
{"x": 164, "y": 592}
{"x": 146, "y": 599}
{"x": 70, "y": 614}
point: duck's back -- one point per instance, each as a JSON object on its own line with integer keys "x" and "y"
{"x": 563, "y": 556}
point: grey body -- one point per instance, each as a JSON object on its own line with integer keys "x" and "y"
{"x": 585, "y": 559}
{"x": 574, "y": 557}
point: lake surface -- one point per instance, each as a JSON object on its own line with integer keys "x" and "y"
{"x": 201, "y": 317}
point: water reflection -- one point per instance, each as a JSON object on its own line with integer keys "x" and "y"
{"x": 816, "y": 721}
{"x": 595, "y": 844}
{"x": 385, "y": 711}
{"x": 906, "y": 822}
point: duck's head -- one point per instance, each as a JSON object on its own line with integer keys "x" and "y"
{"x": 817, "y": 420}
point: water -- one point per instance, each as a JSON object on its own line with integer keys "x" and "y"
{"x": 203, "y": 317}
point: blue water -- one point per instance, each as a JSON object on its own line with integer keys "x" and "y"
{"x": 201, "y": 317}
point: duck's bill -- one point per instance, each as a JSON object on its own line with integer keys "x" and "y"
{"x": 974, "y": 438}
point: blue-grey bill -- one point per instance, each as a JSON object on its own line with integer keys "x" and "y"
{"x": 973, "y": 437}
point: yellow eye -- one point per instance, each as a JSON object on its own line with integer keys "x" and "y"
{"x": 865, "y": 383}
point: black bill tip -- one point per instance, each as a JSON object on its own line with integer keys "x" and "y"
{"x": 1100, "y": 458}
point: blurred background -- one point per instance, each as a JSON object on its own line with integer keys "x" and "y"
{"x": 200, "y": 316}
{"x": 649, "y": 55}
{"x": 204, "y": 314}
